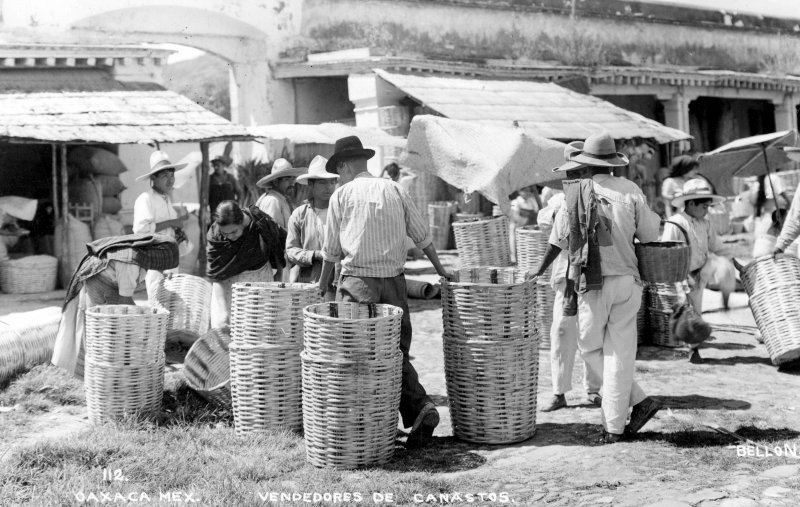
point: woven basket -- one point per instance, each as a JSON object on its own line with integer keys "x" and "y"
{"x": 265, "y": 387}
{"x": 483, "y": 242}
{"x": 27, "y": 340}
{"x": 188, "y": 300}
{"x": 663, "y": 261}
{"x": 125, "y": 334}
{"x": 350, "y": 410}
{"x": 642, "y": 333}
{"x": 774, "y": 290}
{"x": 531, "y": 244}
{"x": 28, "y": 275}
{"x": 270, "y": 312}
{"x": 661, "y": 299}
{"x": 545, "y": 300}
{"x": 475, "y": 308}
{"x": 440, "y": 213}
{"x": 207, "y": 367}
{"x": 491, "y": 388}
{"x": 12, "y": 355}
{"x": 115, "y": 392}
{"x": 352, "y": 331}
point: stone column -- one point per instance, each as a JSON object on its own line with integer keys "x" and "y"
{"x": 786, "y": 113}
{"x": 676, "y": 112}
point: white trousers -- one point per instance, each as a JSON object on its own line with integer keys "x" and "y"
{"x": 607, "y": 341}
{"x": 563, "y": 345}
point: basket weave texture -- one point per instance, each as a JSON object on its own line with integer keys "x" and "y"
{"x": 352, "y": 369}
{"x": 531, "y": 243}
{"x": 188, "y": 300}
{"x": 545, "y": 300}
{"x": 663, "y": 261}
{"x": 207, "y": 367}
{"x": 483, "y": 242}
{"x": 128, "y": 381}
{"x": 356, "y": 333}
{"x": 661, "y": 299}
{"x": 28, "y": 275}
{"x": 270, "y": 312}
{"x": 265, "y": 387}
{"x": 440, "y": 214}
{"x": 642, "y": 332}
{"x": 350, "y": 410}
{"x": 26, "y": 340}
{"x": 491, "y": 354}
{"x": 774, "y": 290}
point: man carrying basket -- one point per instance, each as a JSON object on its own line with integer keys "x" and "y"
{"x": 597, "y": 226}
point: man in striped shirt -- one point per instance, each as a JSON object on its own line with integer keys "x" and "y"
{"x": 369, "y": 219}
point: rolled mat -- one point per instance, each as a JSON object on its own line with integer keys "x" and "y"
{"x": 418, "y": 289}
{"x": 27, "y": 339}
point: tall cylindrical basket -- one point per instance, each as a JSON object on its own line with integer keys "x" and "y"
{"x": 124, "y": 361}
{"x": 440, "y": 214}
{"x": 483, "y": 242}
{"x": 774, "y": 290}
{"x": 661, "y": 300}
{"x": 491, "y": 354}
{"x": 352, "y": 369}
{"x": 270, "y": 312}
{"x": 545, "y": 300}
{"x": 531, "y": 243}
{"x": 188, "y": 300}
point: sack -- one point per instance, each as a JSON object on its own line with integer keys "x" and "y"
{"x": 686, "y": 325}
{"x": 111, "y": 205}
{"x": 90, "y": 160}
{"x": 111, "y": 185}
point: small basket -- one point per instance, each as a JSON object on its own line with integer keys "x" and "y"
{"x": 350, "y": 410}
{"x": 270, "y": 312}
{"x": 207, "y": 367}
{"x": 125, "y": 334}
{"x": 661, "y": 299}
{"x": 545, "y": 300}
{"x": 188, "y": 300}
{"x": 440, "y": 213}
{"x": 491, "y": 388}
{"x": 658, "y": 325}
{"x": 774, "y": 290}
{"x": 265, "y": 387}
{"x": 28, "y": 275}
{"x": 114, "y": 392}
{"x": 489, "y": 304}
{"x": 483, "y": 242}
{"x": 351, "y": 331}
{"x": 663, "y": 261}
{"x": 531, "y": 244}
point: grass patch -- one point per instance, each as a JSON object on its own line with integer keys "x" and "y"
{"x": 42, "y": 388}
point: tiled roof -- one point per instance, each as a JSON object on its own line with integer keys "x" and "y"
{"x": 545, "y": 109}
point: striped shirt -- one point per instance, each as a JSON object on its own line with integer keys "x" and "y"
{"x": 368, "y": 222}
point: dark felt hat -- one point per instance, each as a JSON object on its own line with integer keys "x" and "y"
{"x": 347, "y": 148}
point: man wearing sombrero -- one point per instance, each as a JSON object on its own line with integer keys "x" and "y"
{"x": 597, "y": 225}
{"x": 695, "y": 198}
{"x": 279, "y": 184}
{"x": 369, "y": 219}
{"x": 153, "y": 211}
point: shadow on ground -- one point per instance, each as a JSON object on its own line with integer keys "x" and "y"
{"x": 697, "y": 401}
{"x": 736, "y": 360}
{"x": 709, "y": 438}
{"x": 442, "y": 455}
{"x": 727, "y": 346}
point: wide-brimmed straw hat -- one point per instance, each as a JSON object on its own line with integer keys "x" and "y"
{"x": 599, "y": 150}
{"x": 159, "y": 161}
{"x": 281, "y": 168}
{"x": 316, "y": 171}
{"x": 569, "y": 149}
{"x": 696, "y": 188}
{"x": 346, "y": 148}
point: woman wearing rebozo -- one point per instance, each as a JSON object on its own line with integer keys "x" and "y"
{"x": 244, "y": 245}
{"x": 108, "y": 275}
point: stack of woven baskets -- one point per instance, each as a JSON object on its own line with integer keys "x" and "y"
{"x": 773, "y": 287}
{"x": 352, "y": 367}
{"x": 531, "y": 244}
{"x": 124, "y": 374}
{"x": 482, "y": 241}
{"x": 491, "y": 354}
{"x": 267, "y": 338}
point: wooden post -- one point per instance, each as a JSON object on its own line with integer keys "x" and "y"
{"x": 205, "y": 168}
{"x": 65, "y": 253}
{"x": 54, "y": 150}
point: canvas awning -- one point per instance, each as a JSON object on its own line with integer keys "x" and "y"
{"x": 113, "y": 117}
{"x": 544, "y": 109}
{"x": 327, "y": 133}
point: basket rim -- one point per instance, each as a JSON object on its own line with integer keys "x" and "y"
{"x": 445, "y": 282}
{"x": 314, "y": 314}
{"x": 153, "y": 310}
{"x": 485, "y": 218}
{"x": 763, "y": 258}
{"x": 372, "y": 361}
{"x": 274, "y": 285}
{"x": 249, "y": 346}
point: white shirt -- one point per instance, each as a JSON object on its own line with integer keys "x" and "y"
{"x": 151, "y": 208}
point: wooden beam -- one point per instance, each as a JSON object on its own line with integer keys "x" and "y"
{"x": 205, "y": 168}
{"x": 54, "y": 151}
{"x": 66, "y": 257}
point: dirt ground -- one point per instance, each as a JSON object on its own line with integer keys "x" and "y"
{"x": 677, "y": 460}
